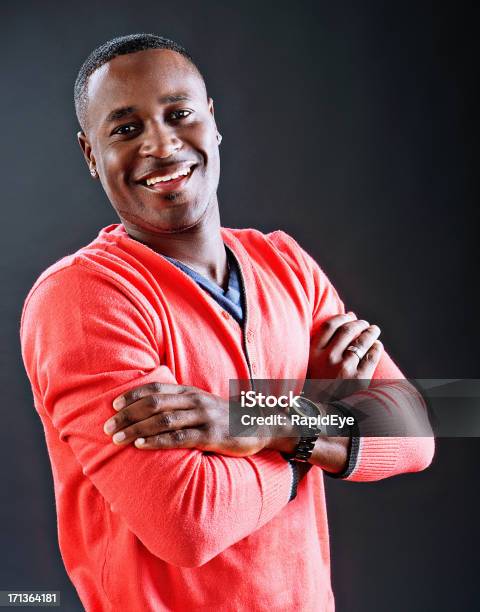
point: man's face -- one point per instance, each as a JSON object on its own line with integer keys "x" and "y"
{"x": 148, "y": 117}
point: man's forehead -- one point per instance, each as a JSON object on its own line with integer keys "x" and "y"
{"x": 161, "y": 72}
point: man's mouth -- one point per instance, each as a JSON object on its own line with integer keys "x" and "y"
{"x": 161, "y": 181}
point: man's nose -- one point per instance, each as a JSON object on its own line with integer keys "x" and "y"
{"x": 160, "y": 140}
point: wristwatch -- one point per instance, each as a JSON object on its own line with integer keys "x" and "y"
{"x": 304, "y": 407}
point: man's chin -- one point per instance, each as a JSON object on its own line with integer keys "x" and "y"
{"x": 169, "y": 220}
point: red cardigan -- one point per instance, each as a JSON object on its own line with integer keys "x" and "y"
{"x": 181, "y": 529}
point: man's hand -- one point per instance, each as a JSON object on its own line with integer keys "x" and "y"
{"x": 331, "y": 358}
{"x": 164, "y": 416}
{"x": 330, "y": 355}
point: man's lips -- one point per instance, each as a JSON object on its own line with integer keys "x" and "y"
{"x": 167, "y": 177}
{"x": 170, "y": 185}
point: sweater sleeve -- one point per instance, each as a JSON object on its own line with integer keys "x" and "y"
{"x": 370, "y": 457}
{"x": 85, "y": 340}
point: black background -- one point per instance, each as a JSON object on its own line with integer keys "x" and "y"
{"x": 349, "y": 125}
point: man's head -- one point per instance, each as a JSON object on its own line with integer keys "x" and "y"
{"x": 145, "y": 115}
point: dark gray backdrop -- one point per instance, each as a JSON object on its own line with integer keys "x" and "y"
{"x": 350, "y": 126}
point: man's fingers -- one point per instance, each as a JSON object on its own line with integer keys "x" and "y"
{"x": 180, "y": 438}
{"x": 134, "y": 395}
{"x": 330, "y": 326}
{"x": 347, "y": 334}
{"x": 368, "y": 364}
{"x": 361, "y": 343}
{"x": 147, "y": 406}
{"x": 177, "y": 420}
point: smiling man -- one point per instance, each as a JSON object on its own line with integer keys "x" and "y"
{"x": 152, "y": 319}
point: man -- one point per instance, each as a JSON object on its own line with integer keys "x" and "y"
{"x": 152, "y": 319}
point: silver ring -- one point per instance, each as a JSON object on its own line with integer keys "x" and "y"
{"x": 355, "y": 350}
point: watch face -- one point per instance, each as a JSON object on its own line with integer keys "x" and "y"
{"x": 305, "y": 407}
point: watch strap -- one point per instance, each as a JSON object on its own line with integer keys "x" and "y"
{"x": 303, "y": 450}
{"x": 295, "y": 478}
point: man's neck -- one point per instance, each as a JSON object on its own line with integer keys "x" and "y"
{"x": 200, "y": 247}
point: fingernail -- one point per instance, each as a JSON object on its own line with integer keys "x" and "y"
{"x": 139, "y": 441}
{"x": 119, "y": 403}
{"x": 119, "y": 437}
{"x": 109, "y": 427}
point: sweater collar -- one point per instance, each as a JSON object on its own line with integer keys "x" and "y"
{"x": 117, "y": 231}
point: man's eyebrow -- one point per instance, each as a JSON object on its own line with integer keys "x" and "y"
{"x": 170, "y": 99}
{"x": 119, "y": 113}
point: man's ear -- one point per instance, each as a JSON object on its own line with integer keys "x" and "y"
{"x": 87, "y": 152}
{"x": 212, "y": 111}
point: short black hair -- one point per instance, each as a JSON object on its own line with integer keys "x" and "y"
{"x": 122, "y": 45}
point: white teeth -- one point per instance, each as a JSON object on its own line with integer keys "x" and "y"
{"x": 170, "y": 177}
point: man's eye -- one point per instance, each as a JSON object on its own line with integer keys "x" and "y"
{"x": 125, "y": 130}
{"x": 180, "y": 114}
